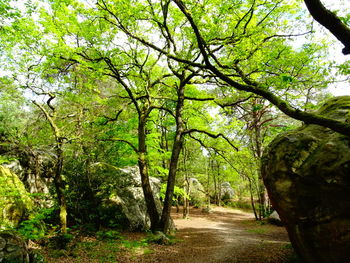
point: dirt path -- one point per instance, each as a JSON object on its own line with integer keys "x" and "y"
{"x": 224, "y": 235}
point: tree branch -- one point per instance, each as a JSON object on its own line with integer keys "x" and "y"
{"x": 199, "y": 99}
{"x": 330, "y": 21}
{"x": 233, "y": 104}
{"x": 256, "y": 88}
{"x": 121, "y": 140}
{"x": 212, "y": 135}
{"x": 54, "y": 127}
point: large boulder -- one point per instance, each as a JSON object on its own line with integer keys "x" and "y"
{"x": 12, "y": 248}
{"x": 15, "y": 202}
{"x": 38, "y": 170}
{"x": 197, "y": 192}
{"x": 35, "y": 168}
{"x": 307, "y": 175}
{"x": 227, "y": 191}
{"x": 274, "y": 219}
{"x": 127, "y": 198}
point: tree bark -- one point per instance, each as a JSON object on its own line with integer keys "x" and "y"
{"x": 252, "y": 198}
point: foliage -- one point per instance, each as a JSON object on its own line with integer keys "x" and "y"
{"x": 37, "y": 226}
{"x": 178, "y": 193}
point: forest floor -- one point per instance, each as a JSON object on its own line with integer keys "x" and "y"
{"x": 222, "y": 236}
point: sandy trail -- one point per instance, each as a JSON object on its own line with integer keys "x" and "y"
{"x": 224, "y": 235}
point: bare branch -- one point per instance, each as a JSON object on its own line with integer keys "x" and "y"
{"x": 54, "y": 127}
{"x": 212, "y": 135}
{"x": 108, "y": 119}
{"x": 162, "y": 108}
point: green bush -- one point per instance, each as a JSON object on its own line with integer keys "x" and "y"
{"x": 35, "y": 227}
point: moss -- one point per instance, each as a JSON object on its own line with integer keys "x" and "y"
{"x": 14, "y": 199}
{"x": 337, "y": 107}
{"x": 335, "y": 103}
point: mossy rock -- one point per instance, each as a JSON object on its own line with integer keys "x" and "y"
{"x": 15, "y": 202}
{"x": 307, "y": 175}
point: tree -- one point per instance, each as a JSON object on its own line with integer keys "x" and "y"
{"x": 225, "y": 56}
{"x": 57, "y": 178}
{"x": 12, "y": 115}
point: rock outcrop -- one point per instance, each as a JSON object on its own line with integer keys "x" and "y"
{"x": 274, "y": 219}
{"x": 15, "y": 202}
{"x": 196, "y": 193}
{"x": 127, "y": 196}
{"x": 12, "y": 248}
{"x": 35, "y": 169}
{"x": 307, "y": 175}
{"x": 38, "y": 170}
{"x": 227, "y": 191}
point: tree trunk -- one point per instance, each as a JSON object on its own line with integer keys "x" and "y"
{"x": 208, "y": 184}
{"x": 177, "y": 146}
{"x": 58, "y": 180}
{"x": 330, "y": 21}
{"x": 219, "y": 183}
{"x": 215, "y": 184}
{"x": 257, "y": 138}
{"x": 177, "y": 205}
{"x": 146, "y": 186}
{"x": 262, "y": 197}
{"x": 186, "y": 206}
{"x": 60, "y": 188}
{"x": 252, "y": 198}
